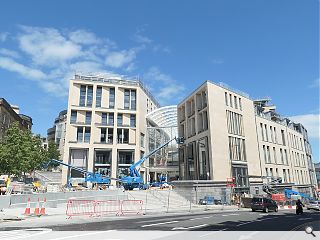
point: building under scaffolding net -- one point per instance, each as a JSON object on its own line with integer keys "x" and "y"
{"x": 162, "y": 126}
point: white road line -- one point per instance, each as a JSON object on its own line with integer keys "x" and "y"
{"x": 259, "y": 220}
{"x": 192, "y": 227}
{"x": 234, "y": 214}
{"x": 213, "y": 232}
{"x": 192, "y": 219}
{"x": 154, "y": 224}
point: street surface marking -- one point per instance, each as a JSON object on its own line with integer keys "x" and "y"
{"x": 154, "y": 224}
{"x": 258, "y": 220}
{"x": 213, "y": 232}
{"x": 186, "y": 228}
{"x": 234, "y": 214}
{"x": 198, "y": 218}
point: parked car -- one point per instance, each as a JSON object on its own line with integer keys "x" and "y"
{"x": 264, "y": 204}
{"x": 3, "y": 187}
{"x": 313, "y": 205}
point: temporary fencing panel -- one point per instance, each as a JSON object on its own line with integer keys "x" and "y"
{"x": 100, "y": 208}
{"x": 107, "y": 207}
{"x": 131, "y": 207}
{"x": 80, "y": 208}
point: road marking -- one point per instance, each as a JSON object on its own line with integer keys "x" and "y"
{"x": 186, "y": 228}
{"x": 192, "y": 219}
{"x": 213, "y": 232}
{"x": 234, "y": 214}
{"x": 154, "y": 224}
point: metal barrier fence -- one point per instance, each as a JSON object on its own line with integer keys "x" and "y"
{"x": 93, "y": 208}
{"x": 131, "y": 207}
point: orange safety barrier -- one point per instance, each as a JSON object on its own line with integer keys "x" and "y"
{"x": 131, "y": 207}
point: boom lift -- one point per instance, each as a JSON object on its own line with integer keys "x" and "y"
{"x": 89, "y": 176}
{"x": 134, "y": 180}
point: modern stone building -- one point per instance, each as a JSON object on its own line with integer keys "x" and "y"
{"x": 228, "y": 135}
{"x": 106, "y": 125}
{"x": 58, "y": 131}
{"x": 10, "y": 114}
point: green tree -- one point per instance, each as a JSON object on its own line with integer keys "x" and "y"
{"x": 20, "y": 152}
{"x": 53, "y": 153}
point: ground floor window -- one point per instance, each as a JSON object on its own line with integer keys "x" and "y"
{"x": 241, "y": 175}
{"x": 125, "y": 160}
{"x": 103, "y": 161}
{"x": 78, "y": 158}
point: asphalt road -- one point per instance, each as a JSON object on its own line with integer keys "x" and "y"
{"x": 285, "y": 220}
{"x": 224, "y": 225}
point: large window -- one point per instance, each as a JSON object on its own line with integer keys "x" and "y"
{"x": 133, "y": 99}
{"x": 241, "y": 176}
{"x": 88, "y": 117}
{"x": 98, "y": 96}
{"x": 83, "y": 91}
{"x": 130, "y": 99}
{"x": 107, "y": 119}
{"x": 120, "y": 119}
{"x": 106, "y": 135}
{"x": 87, "y": 134}
{"x": 86, "y": 93}
{"x": 132, "y": 120}
{"x": 103, "y": 160}
{"x": 123, "y": 135}
{"x": 73, "y": 118}
{"x": 237, "y": 149}
{"x": 125, "y": 159}
{"x": 90, "y": 96}
{"x": 111, "y": 97}
{"x": 283, "y": 138}
{"x": 126, "y": 99}
{"x": 79, "y": 134}
{"x": 234, "y": 123}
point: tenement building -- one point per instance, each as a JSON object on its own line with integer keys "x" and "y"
{"x": 10, "y": 114}
{"x": 232, "y": 140}
{"x": 106, "y": 125}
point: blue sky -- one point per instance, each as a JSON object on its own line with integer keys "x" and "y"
{"x": 262, "y": 47}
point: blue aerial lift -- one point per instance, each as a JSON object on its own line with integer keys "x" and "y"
{"x": 134, "y": 180}
{"x": 89, "y": 176}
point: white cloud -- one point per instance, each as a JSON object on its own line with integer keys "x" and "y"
{"x": 3, "y": 36}
{"x": 311, "y": 122}
{"x": 84, "y": 37}
{"x": 121, "y": 58}
{"x": 168, "y": 90}
{"x": 9, "y": 53}
{"x": 30, "y": 73}
{"x": 47, "y": 46}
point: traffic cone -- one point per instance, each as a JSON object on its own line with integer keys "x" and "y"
{"x": 27, "y": 210}
{"x": 43, "y": 207}
{"x": 36, "y": 210}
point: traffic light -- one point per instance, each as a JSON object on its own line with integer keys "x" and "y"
{"x": 180, "y": 140}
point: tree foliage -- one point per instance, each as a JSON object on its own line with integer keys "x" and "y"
{"x": 53, "y": 153}
{"x": 21, "y": 152}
